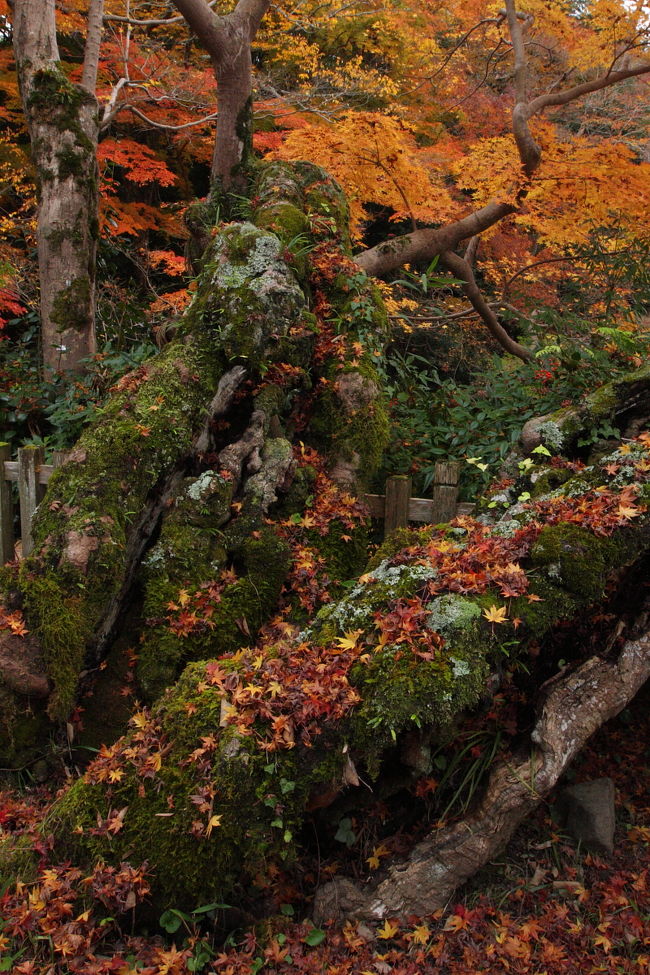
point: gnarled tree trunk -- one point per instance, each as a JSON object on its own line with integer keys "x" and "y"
{"x": 221, "y": 479}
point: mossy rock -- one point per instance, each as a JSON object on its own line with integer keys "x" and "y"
{"x": 612, "y": 405}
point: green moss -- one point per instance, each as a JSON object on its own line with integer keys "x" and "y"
{"x": 186, "y": 557}
{"x": 283, "y": 219}
{"x": 71, "y": 163}
{"x": 71, "y": 306}
{"x": 246, "y": 294}
{"x": 549, "y": 480}
{"x": 22, "y": 724}
{"x": 63, "y": 620}
{"x": 344, "y": 549}
{"x": 357, "y": 609}
{"x": 81, "y": 540}
{"x": 357, "y": 435}
{"x": 400, "y": 691}
{"x": 18, "y": 861}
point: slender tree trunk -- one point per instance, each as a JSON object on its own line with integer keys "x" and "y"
{"x": 234, "y": 74}
{"x": 63, "y": 125}
{"x": 228, "y": 40}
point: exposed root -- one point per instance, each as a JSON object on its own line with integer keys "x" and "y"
{"x": 573, "y": 707}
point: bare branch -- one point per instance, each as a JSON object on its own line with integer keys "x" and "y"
{"x": 553, "y": 99}
{"x": 462, "y": 270}
{"x": 162, "y": 125}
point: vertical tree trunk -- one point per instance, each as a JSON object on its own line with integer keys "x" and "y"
{"x": 63, "y": 125}
{"x": 228, "y": 40}
{"x": 234, "y": 74}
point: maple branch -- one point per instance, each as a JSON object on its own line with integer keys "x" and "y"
{"x": 461, "y": 269}
{"x": 571, "y": 94}
{"x": 529, "y": 151}
{"x": 160, "y": 22}
{"x": 111, "y": 108}
{"x": 425, "y": 244}
{"x": 498, "y": 20}
{"x": 91, "y": 50}
{"x": 493, "y": 53}
{"x": 161, "y": 125}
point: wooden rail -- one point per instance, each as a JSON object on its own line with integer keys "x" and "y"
{"x": 31, "y": 475}
{"x": 396, "y": 506}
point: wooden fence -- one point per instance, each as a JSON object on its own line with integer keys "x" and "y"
{"x": 396, "y": 506}
{"x": 31, "y": 475}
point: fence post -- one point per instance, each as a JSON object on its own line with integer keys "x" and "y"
{"x": 6, "y": 509}
{"x": 29, "y": 491}
{"x": 398, "y": 495}
{"x": 445, "y": 490}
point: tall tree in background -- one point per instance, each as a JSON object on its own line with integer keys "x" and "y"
{"x": 228, "y": 41}
{"x": 63, "y": 121}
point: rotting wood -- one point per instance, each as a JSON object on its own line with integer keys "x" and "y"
{"x": 571, "y": 707}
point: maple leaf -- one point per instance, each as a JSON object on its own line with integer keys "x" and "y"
{"x": 388, "y": 930}
{"x": 421, "y": 934}
{"x": 495, "y": 614}
{"x": 455, "y": 923}
{"x": 374, "y": 859}
{"x": 349, "y": 640}
{"x": 628, "y": 511}
{"x": 115, "y": 820}
{"x": 212, "y": 823}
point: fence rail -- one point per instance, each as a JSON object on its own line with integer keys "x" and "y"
{"x": 31, "y": 475}
{"x": 396, "y": 506}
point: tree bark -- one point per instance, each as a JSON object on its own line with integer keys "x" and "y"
{"x": 63, "y": 124}
{"x": 573, "y": 708}
{"x": 228, "y": 38}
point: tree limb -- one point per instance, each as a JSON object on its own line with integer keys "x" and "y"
{"x": 574, "y": 707}
{"x": 424, "y": 245}
{"x": 91, "y": 50}
{"x": 461, "y": 269}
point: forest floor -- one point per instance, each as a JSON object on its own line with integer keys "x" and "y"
{"x": 545, "y": 908}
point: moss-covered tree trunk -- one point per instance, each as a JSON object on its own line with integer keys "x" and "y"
{"x": 218, "y": 487}
{"x": 63, "y": 122}
{"x": 211, "y": 434}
